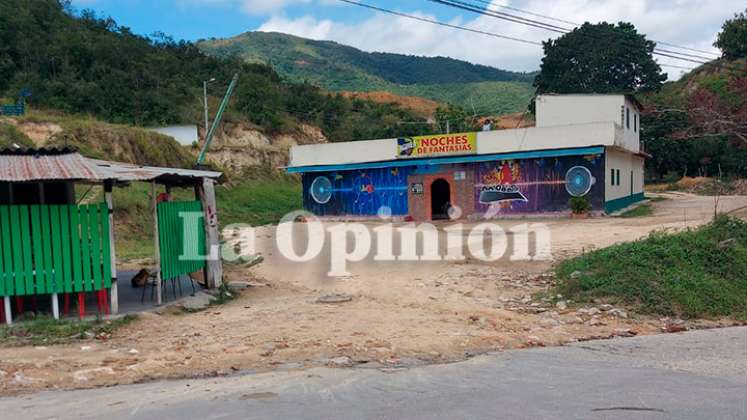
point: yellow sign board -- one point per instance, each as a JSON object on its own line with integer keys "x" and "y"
{"x": 437, "y": 145}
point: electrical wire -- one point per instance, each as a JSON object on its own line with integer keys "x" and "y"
{"x": 576, "y": 24}
{"x": 512, "y": 18}
{"x": 435, "y": 22}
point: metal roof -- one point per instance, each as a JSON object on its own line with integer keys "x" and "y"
{"x": 22, "y": 165}
{"x": 131, "y": 172}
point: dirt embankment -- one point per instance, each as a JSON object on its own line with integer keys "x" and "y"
{"x": 239, "y": 146}
{"x": 421, "y": 106}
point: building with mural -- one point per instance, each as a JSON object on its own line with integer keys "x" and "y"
{"x": 582, "y": 146}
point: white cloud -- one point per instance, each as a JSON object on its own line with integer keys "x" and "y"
{"x": 263, "y": 7}
{"x": 250, "y": 7}
{"x": 692, "y": 23}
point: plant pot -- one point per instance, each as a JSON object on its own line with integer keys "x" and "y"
{"x": 580, "y": 215}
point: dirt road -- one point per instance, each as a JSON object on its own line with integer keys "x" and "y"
{"x": 636, "y": 378}
{"x": 400, "y": 315}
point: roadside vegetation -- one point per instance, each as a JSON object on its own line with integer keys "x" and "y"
{"x": 48, "y": 331}
{"x": 10, "y": 135}
{"x": 641, "y": 211}
{"x": 691, "y": 274}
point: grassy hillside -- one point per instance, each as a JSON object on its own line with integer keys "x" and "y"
{"x": 95, "y": 138}
{"x": 10, "y": 135}
{"x": 694, "y": 126}
{"x": 696, "y": 273}
{"x": 80, "y": 63}
{"x": 342, "y": 68}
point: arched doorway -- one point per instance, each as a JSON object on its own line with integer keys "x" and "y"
{"x": 440, "y": 199}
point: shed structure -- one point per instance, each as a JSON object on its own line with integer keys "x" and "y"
{"x": 50, "y": 245}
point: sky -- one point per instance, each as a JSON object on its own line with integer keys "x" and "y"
{"x": 689, "y": 23}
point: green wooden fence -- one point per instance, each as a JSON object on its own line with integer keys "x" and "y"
{"x": 181, "y": 233}
{"x": 54, "y": 249}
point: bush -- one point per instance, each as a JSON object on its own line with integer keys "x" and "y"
{"x": 580, "y": 205}
{"x": 695, "y": 273}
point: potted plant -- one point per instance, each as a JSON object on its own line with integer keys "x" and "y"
{"x": 580, "y": 207}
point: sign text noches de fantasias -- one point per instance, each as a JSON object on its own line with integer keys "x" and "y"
{"x": 437, "y": 145}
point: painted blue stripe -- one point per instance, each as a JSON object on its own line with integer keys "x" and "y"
{"x": 449, "y": 160}
{"x": 402, "y": 188}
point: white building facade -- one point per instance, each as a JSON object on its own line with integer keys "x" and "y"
{"x": 582, "y": 146}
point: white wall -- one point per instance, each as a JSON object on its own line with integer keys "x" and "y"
{"x": 488, "y": 142}
{"x": 626, "y": 163}
{"x": 344, "y": 152}
{"x": 563, "y": 121}
{"x": 559, "y": 110}
{"x": 546, "y": 138}
{"x": 184, "y": 134}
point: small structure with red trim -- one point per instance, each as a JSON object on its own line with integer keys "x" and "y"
{"x": 52, "y": 247}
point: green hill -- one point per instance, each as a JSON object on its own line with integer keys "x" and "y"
{"x": 81, "y": 63}
{"x": 342, "y": 68}
{"x": 694, "y": 126}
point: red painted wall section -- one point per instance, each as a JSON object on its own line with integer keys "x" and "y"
{"x": 461, "y": 188}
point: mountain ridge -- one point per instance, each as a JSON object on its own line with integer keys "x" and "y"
{"x": 339, "y": 67}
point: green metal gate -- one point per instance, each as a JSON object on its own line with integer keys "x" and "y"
{"x": 48, "y": 249}
{"x": 181, "y": 232}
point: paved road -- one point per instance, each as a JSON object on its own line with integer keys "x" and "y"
{"x": 694, "y": 375}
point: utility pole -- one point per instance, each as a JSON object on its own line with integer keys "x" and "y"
{"x": 205, "y": 98}
{"x": 448, "y": 127}
{"x": 218, "y": 117}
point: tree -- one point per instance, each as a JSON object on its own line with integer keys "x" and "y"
{"x": 720, "y": 112}
{"x": 732, "y": 40}
{"x": 455, "y": 118}
{"x": 600, "y": 58}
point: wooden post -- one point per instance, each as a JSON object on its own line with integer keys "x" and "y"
{"x": 8, "y": 311}
{"x": 108, "y": 189}
{"x": 159, "y": 297}
{"x": 214, "y": 270}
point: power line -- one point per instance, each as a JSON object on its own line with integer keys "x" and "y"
{"x": 535, "y": 14}
{"x": 435, "y": 22}
{"x": 542, "y": 25}
{"x": 505, "y": 16}
{"x": 679, "y": 58}
{"x": 684, "y": 54}
{"x": 511, "y": 18}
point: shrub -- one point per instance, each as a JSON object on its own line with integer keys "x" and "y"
{"x": 579, "y": 205}
{"x": 694, "y": 273}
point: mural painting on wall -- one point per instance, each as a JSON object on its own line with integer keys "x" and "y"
{"x": 357, "y": 192}
{"x": 537, "y": 185}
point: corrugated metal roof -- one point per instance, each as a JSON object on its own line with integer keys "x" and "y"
{"x": 32, "y": 167}
{"x": 131, "y": 172}
{"x": 20, "y": 165}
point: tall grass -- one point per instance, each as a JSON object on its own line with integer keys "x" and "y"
{"x": 695, "y": 273}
